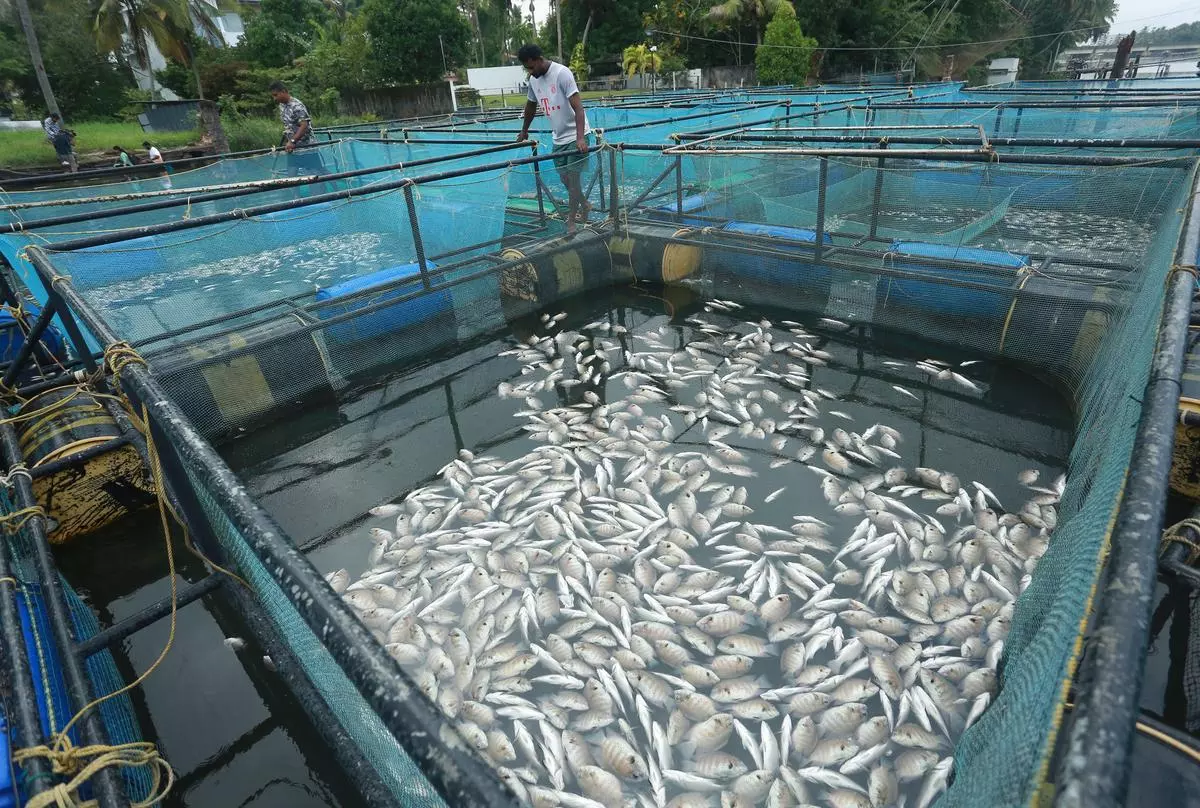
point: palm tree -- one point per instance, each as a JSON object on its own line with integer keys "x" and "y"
{"x": 143, "y": 22}
{"x": 169, "y": 25}
{"x": 639, "y": 59}
{"x": 756, "y": 11}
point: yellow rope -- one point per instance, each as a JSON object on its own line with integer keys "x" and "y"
{"x": 12, "y": 522}
{"x": 117, "y": 357}
{"x": 67, "y": 759}
{"x": 1174, "y": 535}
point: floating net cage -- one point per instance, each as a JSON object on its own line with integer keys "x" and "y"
{"x": 1062, "y": 268}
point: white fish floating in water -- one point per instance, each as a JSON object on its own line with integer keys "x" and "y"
{"x": 613, "y": 619}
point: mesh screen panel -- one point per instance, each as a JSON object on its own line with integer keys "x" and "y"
{"x": 1104, "y": 320}
{"x": 1060, "y": 269}
{"x": 360, "y": 722}
{"x": 101, "y": 670}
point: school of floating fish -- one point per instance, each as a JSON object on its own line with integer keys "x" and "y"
{"x": 606, "y": 622}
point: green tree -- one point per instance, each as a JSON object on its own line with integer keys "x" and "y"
{"x": 637, "y": 59}
{"x": 579, "y": 63}
{"x": 89, "y": 84}
{"x": 404, "y": 38}
{"x": 340, "y": 59}
{"x": 785, "y": 56}
{"x": 687, "y": 29}
{"x": 609, "y": 25}
{"x": 283, "y": 30}
{"x": 1183, "y": 34}
{"x": 137, "y": 23}
{"x": 751, "y": 12}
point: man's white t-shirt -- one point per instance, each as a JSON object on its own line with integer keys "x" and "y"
{"x": 552, "y": 93}
{"x": 155, "y": 155}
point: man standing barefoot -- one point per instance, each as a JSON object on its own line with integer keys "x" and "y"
{"x": 552, "y": 89}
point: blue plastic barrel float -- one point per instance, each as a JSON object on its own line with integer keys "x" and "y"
{"x": 935, "y": 292}
{"x": 352, "y": 295}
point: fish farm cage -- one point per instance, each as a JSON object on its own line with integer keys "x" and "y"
{"x": 156, "y": 320}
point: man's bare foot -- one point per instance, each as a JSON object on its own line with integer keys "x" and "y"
{"x": 584, "y": 210}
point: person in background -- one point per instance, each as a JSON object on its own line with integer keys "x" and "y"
{"x": 51, "y": 126}
{"x": 155, "y": 154}
{"x": 553, "y": 90}
{"x": 123, "y": 158}
{"x": 64, "y": 149}
{"x": 297, "y": 125}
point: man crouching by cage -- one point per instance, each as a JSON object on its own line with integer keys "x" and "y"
{"x": 552, "y": 88}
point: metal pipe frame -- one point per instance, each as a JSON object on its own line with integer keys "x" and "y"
{"x": 274, "y": 207}
{"x": 749, "y": 244}
{"x": 452, "y": 767}
{"x": 380, "y": 305}
{"x": 1078, "y": 143}
{"x": 968, "y": 156}
{"x": 1173, "y": 560}
{"x": 54, "y": 466}
{"x": 52, "y": 221}
{"x": 149, "y": 615}
{"x": 108, "y": 784}
{"x": 1125, "y": 102}
{"x": 291, "y": 300}
{"x": 22, "y": 710}
{"x": 1110, "y": 678}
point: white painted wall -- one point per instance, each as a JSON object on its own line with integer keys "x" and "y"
{"x": 1001, "y": 71}
{"x": 494, "y": 80}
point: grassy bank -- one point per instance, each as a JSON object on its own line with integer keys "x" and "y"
{"x": 93, "y": 140}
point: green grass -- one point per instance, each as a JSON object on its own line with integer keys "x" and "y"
{"x": 94, "y": 140}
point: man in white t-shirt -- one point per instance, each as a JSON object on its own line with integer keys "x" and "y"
{"x": 553, "y": 90}
{"x": 155, "y": 154}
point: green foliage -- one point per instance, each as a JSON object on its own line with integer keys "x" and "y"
{"x": 246, "y": 132}
{"x": 639, "y": 58}
{"x": 341, "y": 58}
{"x": 752, "y": 13}
{"x": 579, "y": 63}
{"x": 929, "y": 35}
{"x": 93, "y": 143}
{"x": 87, "y": 83}
{"x": 786, "y": 53}
{"x": 615, "y": 24}
{"x": 129, "y": 26}
{"x": 178, "y": 78}
{"x": 1185, "y": 34}
{"x": 404, "y": 38}
{"x": 702, "y": 41}
{"x": 504, "y": 30}
{"x": 283, "y": 30}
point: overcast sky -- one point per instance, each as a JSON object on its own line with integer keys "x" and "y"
{"x": 1131, "y": 14}
{"x": 1136, "y": 14}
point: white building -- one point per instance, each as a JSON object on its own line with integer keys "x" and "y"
{"x": 1145, "y": 61}
{"x": 231, "y": 28}
{"x": 1003, "y": 70}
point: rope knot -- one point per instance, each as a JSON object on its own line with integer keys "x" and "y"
{"x": 121, "y": 355}
{"x": 82, "y": 763}
{"x": 13, "y": 522}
